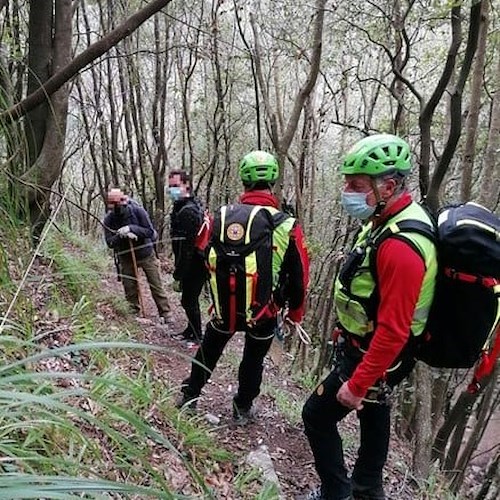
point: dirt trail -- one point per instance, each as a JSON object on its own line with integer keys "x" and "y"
{"x": 286, "y": 443}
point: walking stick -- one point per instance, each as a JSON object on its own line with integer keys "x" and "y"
{"x": 136, "y": 274}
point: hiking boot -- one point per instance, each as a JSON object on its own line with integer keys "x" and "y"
{"x": 185, "y": 402}
{"x": 364, "y": 496}
{"x": 243, "y": 416}
{"x": 362, "y": 492}
{"x": 186, "y": 334}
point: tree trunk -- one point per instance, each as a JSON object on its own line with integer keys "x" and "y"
{"x": 47, "y": 167}
{"x": 459, "y": 412}
{"x": 282, "y": 140}
{"x": 484, "y": 413}
{"x": 39, "y": 63}
{"x": 474, "y": 107}
{"x": 423, "y": 422}
{"x": 44, "y": 171}
{"x": 456, "y": 106}
{"x": 492, "y": 475}
{"x": 489, "y": 194}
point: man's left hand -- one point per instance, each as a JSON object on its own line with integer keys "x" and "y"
{"x": 131, "y": 235}
{"x": 347, "y": 398}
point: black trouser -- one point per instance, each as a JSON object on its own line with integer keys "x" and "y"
{"x": 192, "y": 285}
{"x": 322, "y": 412}
{"x": 258, "y": 340}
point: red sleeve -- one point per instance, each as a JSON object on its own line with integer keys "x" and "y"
{"x": 299, "y": 271}
{"x": 400, "y": 272}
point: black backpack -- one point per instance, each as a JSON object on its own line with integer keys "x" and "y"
{"x": 240, "y": 258}
{"x": 465, "y": 312}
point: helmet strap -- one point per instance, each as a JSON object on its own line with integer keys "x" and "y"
{"x": 380, "y": 202}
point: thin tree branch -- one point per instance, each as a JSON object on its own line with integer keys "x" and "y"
{"x": 91, "y": 53}
{"x": 456, "y": 102}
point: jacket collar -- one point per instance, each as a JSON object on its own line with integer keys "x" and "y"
{"x": 265, "y": 198}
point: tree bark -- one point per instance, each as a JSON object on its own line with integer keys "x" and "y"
{"x": 423, "y": 421}
{"x": 39, "y": 64}
{"x": 428, "y": 108}
{"x": 47, "y": 166}
{"x": 474, "y": 107}
{"x": 456, "y": 107}
{"x": 484, "y": 412}
{"x": 489, "y": 478}
{"x": 282, "y": 141}
{"x": 489, "y": 194}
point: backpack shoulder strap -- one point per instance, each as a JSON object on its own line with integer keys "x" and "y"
{"x": 277, "y": 216}
{"x": 395, "y": 230}
{"x": 406, "y": 226}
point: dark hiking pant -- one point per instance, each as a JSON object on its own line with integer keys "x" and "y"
{"x": 151, "y": 267}
{"x": 321, "y": 413}
{"x": 192, "y": 285}
{"x": 258, "y": 340}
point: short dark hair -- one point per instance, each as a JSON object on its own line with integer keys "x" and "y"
{"x": 185, "y": 176}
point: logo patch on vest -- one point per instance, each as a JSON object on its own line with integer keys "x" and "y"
{"x": 235, "y": 231}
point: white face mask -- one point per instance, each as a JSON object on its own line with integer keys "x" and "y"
{"x": 355, "y": 204}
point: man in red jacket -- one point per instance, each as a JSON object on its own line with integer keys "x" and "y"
{"x": 258, "y": 264}
{"x": 379, "y": 315}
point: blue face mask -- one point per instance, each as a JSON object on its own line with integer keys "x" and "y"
{"x": 355, "y": 205}
{"x": 175, "y": 192}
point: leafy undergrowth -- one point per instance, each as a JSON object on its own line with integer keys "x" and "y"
{"x": 87, "y": 399}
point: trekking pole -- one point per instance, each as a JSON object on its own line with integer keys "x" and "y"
{"x": 136, "y": 275}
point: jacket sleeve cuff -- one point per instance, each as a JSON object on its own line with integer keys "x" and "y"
{"x": 357, "y": 390}
{"x": 296, "y": 315}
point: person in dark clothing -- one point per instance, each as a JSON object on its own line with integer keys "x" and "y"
{"x": 127, "y": 229}
{"x": 186, "y": 222}
{"x": 286, "y": 278}
{"x": 379, "y": 314}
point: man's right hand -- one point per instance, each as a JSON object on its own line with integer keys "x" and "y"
{"x": 346, "y": 398}
{"x": 124, "y": 231}
{"x": 131, "y": 235}
{"x": 177, "y": 286}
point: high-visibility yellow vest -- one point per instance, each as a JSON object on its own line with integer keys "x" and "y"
{"x": 355, "y": 288}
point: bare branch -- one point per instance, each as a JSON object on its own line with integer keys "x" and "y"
{"x": 311, "y": 79}
{"x": 456, "y": 103}
{"x": 91, "y": 53}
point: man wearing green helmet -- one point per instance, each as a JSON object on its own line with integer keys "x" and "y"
{"x": 258, "y": 264}
{"x": 379, "y": 315}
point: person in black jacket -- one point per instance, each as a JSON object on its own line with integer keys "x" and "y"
{"x": 128, "y": 228}
{"x": 185, "y": 223}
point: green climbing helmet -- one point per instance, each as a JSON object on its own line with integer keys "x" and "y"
{"x": 258, "y": 166}
{"x": 378, "y": 155}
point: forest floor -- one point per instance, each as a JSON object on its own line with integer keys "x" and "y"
{"x": 279, "y": 431}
